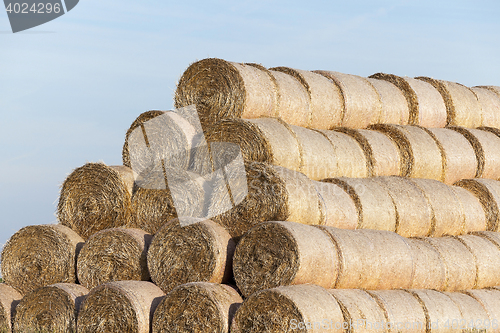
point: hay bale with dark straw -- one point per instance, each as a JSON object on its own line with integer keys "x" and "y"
{"x": 9, "y": 299}
{"x": 402, "y": 311}
{"x": 40, "y": 255}
{"x": 50, "y": 309}
{"x": 362, "y": 105}
{"x": 116, "y": 254}
{"x": 122, "y": 306}
{"x": 200, "y": 251}
{"x": 426, "y": 105}
{"x": 490, "y": 300}
{"x": 326, "y": 102}
{"x": 301, "y": 308}
{"x": 179, "y": 311}
{"x": 490, "y": 106}
{"x": 487, "y": 191}
{"x": 340, "y": 208}
{"x": 394, "y": 105}
{"x": 420, "y": 154}
{"x": 461, "y": 103}
{"x": 473, "y": 212}
{"x": 96, "y": 197}
{"x": 473, "y": 313}
{"x": 429, "y": 271}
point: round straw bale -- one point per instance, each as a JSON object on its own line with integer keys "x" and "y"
{"x": 490, "y": 105}
{"x": 473, "y": 212}
{"x": 384, "y": 261}
{"x": 40, "y": 255}
{"x": 9, "y": 299}
{"x": 461, "y": 270}
{"x": 340, "y": 208}
{"x": 490, "y": 300}
{"x": 96, "y": 197}
{"x": 180, "y": 311}
{"x": 487, "y": 191}
{"x": 487, "y": 257}
{"x": 381, "y": 152}
{"x": 282, "y": 253}
{"x": 361, "y": 310}
{"x": 403, "y": 312}
{"x": 494, "y": 89}
{"x": 122, "y": 306}
{"x": 50, "y": 309}
{"x": 222, "y": 89}
{"x": 375, "y": 207}
{"x": 447, "y": 216}
{"x": 474, "y": 316}
{"x": 461, "y": 103}
{"x": 326, "y": 102}
{"x": 200, "y": 251}
{"x": 301, "y": 308}
{"x": 351, "y": 158}
{"x": 420, "y": 154}
{"x": 426, "y": 105}
{"x": 293, "y": 99}
{"x": 362, "y": 105}
{"x": 440, "y": 310}
{"x": 413, "y": 212}
{"x": 116, "y": 254}
{"x": 428, "y": 267}
{"x": 492, "y": 236}
{"x": 395, "y": 108}
{"x": 458, "y": 156}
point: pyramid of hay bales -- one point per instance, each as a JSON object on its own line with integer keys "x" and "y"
{"x": 373, "y": 204}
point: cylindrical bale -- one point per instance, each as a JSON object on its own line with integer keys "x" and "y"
{"x": 326, "y": 102}
{"x": 458, "y": 156}
{"x": 440, "y": 310}
{"x": 474, "y": 315}
{"x": 461, "y": 269}
{"x": 381, "y": 152}
{"x": 340, "y": 208}
{"x": 179, "y": 254}
{"x": 362, "y": 106}
{"x": 487, "y": 257}
{"x": 490, "y": 105}
{"x": 50, "y": 309}
{"x": 490, "y": 300}
{"x": 222, "y": 89}
{"x": 122, "y": 306}
{"x": 9, "y": 299}
{"x": 487, "y": 191}
{"x": 301, "y": 308}
{"x": 293, "y": 99}
{"x": 179, "y": 311}
{"x": 282, "y": 253}
{"x": 361, "y": 310}
{"x": 491, "y": 236}
{"x": 495, "y": 89}
{"x": 395, "y": 108}
{"x": 116, "y": 254}
{"x": 40, "y": 255}
{"x": 351, "y": 158}
{"x": 375, "y": 207}
{"x": 447, "y": 216}
{"x": 384, "y": 261}
{"x": 420, "y": 154}
{"x": 414, "y": 213}
{"x": 461, "y": 103}
{"x": 96, "y": 197}
{"x": 429, "y": 269}
{"x": 474, "y": 215}
{"x": 403, "y": 312}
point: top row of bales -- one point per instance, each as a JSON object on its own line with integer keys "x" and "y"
{"x": 326, "y": 99}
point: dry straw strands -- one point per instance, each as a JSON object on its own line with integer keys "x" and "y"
{"x": 429, "y": 269}
{"x": 490, "y": 300}
{"x": 474, "y": 214}
{"x": 395, "y": 108}
{"x": 340, "y": 209}
{"x": 201, "y": 251}
{"x": 490, "y": 105}
{"x": 50, "y": 309}
{"x": 9, "y": 298}
{"x": 283, "y": 309}
{"x": 473, "y": 313}
{"x": 124, "y": 306}
{"x": 116, "y": 254}
{"x": 180, "y": 311}
{"x": 40, "y": 255}
{"x": 96, "y": 197}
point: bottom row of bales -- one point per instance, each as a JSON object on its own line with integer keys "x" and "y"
{"x": 141, "y": 307}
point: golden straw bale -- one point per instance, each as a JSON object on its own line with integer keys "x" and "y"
{"x": 340, "y": 208}
{"x": 473, "y": 212}
{"x": 428, "y": 266}
{"x": 490, "y": 105}
{"x": 474, "y": 314}
{"x": 9, "y": 299}
{"x": 490, "y": 300}
{"x": 395, "y": 108}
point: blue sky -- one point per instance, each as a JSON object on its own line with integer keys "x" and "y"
{"x": 69, "y": 89}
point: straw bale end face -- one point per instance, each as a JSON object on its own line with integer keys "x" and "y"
{"x": 9, "y": 299}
